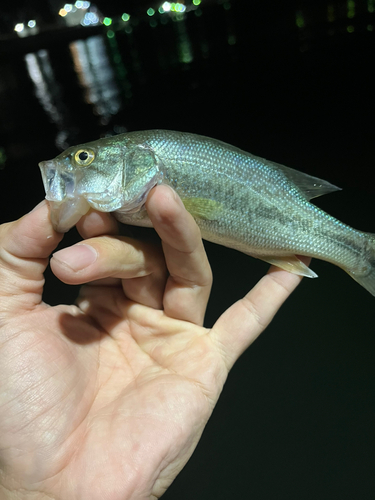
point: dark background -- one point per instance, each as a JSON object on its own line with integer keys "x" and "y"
{"x": 289, "y": 81}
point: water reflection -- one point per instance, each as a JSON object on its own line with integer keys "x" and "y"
{"x": 48, "y": 91}
{"x": 339, "y": 18}
{"x": 133, "y": 51}
{"x": 96, "y": 76}
{"x": 185, "y": 51}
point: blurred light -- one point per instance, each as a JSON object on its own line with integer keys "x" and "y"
{"x": 107, "y": 21}
{"x": 96, "y": 75}
{"x": 350, "y": 29}
{"x": 79, "y": 4}
{"x": 351, "y": 9}
{"x": 150, "y": 12}
{"x": 3, "y": 158}
{"x": 91, "y": 18}
{"x": 300, "y": 22}
{"x": 86, "y": 5}
{"x": 19, "y": 27}
{"x": 47, "y": 89}
{"x": 370, "y": 27}
{"x": 232, "y": 40}
{"x": 196, "y": 2}
{"x": 125, "y": 17}
{"x": 330, "y": 13}
{"x": 166, "y": 6}
{"x": 227, "y": 5}
{"x": 110, "y": 34}
{"x": 62, "y": 12}
{"x": 371, "y": 5}
{"x": 31, "y": 23}
{"x": 68, "y": 7}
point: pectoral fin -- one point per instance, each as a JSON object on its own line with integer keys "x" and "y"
{"x": 292, "y": 264}
{"x": 203, "y": 208}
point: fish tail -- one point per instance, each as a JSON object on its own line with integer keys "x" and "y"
{"x": 367, "y": 279}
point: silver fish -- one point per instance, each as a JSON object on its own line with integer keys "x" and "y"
{"x": 239, "y": 200}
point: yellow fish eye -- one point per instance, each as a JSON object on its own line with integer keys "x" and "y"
{"x": 84, "y": 157}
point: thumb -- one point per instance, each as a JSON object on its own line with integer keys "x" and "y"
{"x": 24, "y": 249}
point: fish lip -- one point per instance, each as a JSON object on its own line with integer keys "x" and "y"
{"x": 59, "y": 183}
{"x": 65, "y": 214}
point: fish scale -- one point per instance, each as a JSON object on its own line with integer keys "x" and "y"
{"x": 238, "y": 200}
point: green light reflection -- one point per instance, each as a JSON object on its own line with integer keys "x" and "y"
{"x": 351, "y": 9}
{"x": 185, "y": 51}
{"x": 300, "y": 22}
{"x": 119, "y": 67}
{"x": 330, "y": 13}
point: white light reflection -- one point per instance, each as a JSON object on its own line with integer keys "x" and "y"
{"x": 41, "y": 73}
{"x": 90, "y": 18}
{"x": 31, "y": 23}
{"x": 19, "y": 27}
{"x": 172, "y": 7}
{"x": 77, "y": 13}
{"x": 96, "y": 76}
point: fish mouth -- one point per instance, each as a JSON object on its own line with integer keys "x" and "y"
{"x": 65, "y": 214}
{"x": 66, "y": 207}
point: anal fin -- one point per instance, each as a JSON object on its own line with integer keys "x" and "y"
{"x": 290, "y": 263}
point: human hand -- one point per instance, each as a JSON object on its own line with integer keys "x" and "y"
{"x": 108, "y": 398}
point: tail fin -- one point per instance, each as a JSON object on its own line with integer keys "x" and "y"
{"x": 367, "y": 280}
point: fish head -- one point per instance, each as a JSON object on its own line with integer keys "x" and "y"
{"x": 106, "y": 175}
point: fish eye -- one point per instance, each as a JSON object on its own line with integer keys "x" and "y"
{"x": 84, "y": 157}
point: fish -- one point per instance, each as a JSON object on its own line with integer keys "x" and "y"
{"x": 238, "y": 200}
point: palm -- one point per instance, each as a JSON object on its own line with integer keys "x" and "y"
{"x": 108, "y": 398}
{"x": 125, "y": 383}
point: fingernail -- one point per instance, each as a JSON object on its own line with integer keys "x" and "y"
{"x": 77, "y": 257}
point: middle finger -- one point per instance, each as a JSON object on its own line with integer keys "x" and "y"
{"x": 111, "y": 258}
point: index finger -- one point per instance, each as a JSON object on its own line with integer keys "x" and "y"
{"x": 25, "y": 245}
{"x": 189, "y": 284}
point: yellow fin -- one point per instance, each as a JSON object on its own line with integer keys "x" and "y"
{"x": 292, "y": 264}
{"x": 203, "y": 208}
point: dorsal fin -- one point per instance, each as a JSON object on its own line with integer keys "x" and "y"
{"x": 311, "y": 186}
